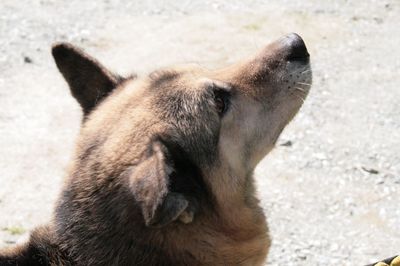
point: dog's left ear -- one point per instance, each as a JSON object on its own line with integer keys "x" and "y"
{"x": 149, "y": 181}
{"x": 88, "y": 80}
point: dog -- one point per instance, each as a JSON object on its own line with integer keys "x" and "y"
{"x": 163, "y": 168}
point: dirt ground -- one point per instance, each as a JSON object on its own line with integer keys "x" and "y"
{"x": 330, "y": 189}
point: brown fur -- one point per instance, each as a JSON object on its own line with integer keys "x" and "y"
{"x": 159, "y": 176}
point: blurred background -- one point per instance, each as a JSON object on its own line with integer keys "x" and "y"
{"x": 330, "y": 189}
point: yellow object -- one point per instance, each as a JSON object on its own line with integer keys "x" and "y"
{"x": 395, "y": 261}
{"x": 381, "y": 264}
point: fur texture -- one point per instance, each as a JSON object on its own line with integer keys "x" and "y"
{"x": 163, "y": 166}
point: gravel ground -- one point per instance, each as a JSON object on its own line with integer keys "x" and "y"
{"x": 330, "y": 189}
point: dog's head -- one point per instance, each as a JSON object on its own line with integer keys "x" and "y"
{"x": 181, "y": 132}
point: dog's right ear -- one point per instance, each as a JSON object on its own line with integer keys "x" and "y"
{"x": 150, "y": 182}
{"x": 88, "y": 80}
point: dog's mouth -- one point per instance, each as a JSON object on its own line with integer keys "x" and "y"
{"x": 294, "y": 78}
{"x": 298, "y": 77}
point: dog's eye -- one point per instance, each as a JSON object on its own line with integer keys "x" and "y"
{"x": 221, "y": 101}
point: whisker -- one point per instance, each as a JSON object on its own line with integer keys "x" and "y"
{"x": 299, "y": 72}
{"x": 300, "y": 89}
{"x": 302, "y": 83}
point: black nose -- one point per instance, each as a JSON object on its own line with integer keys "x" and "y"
{"x": 297, "y": 50}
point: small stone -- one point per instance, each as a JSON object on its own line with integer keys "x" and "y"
{"x": 370, "y": 170}
{"x": 288, "y": 143}
{"x": 28, "y": 60}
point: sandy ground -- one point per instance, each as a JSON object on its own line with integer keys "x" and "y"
{"x": 331, "y": 195}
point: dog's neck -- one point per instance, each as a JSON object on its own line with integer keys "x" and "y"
{"x": 235, "y": 197}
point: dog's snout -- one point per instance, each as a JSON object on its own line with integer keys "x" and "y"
{"x": 297, "y": 50}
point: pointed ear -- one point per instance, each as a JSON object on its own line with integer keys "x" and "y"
{"x": 88, "y": 80}
{"x": 149, "y": 182}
